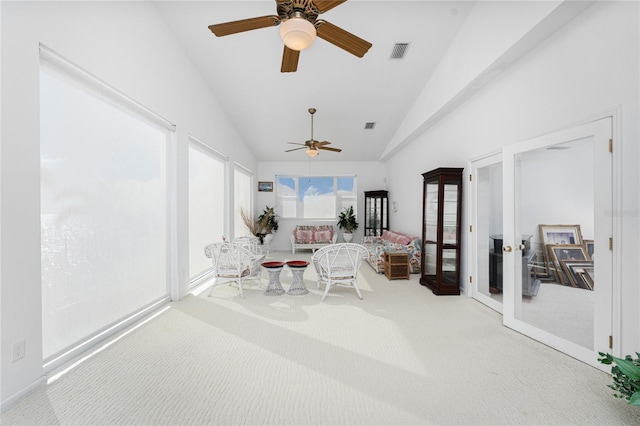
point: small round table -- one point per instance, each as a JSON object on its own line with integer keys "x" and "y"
{"x": 297, "y": 270}
{"x": 274, "y": 288}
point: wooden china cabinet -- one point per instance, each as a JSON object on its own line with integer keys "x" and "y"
{"x": 376, "y": 213}
{"x": 441, "y": 219}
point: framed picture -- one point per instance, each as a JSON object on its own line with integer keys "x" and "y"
{"x": 264, "y": 186}
{"x": 560, "y": 234}
{"x": 589, "y": 246}
{"x": 564, "y": 252}
{"x": 579, "y": 273}
{"x": 557, "y": 234}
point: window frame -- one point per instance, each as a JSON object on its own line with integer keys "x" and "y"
{"x": 299, "y": 204}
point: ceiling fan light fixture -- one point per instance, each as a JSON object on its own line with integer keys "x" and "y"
{"x": 312, "y": 152}
{"x": 297, "y": 33}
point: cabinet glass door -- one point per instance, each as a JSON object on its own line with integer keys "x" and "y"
{"x": 431, "y": 229}
{"x": 450, "y": 233}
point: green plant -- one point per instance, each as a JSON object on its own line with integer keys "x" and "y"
{"x": 626, "y": 376}
{"x": 347, "y": 220}
{"x": 268, "y": 221}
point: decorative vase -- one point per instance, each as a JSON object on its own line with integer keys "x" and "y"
{"x": 347, "y": 237}
{"x": 267, "y": 238}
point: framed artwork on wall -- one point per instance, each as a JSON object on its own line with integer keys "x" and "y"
{"x": 264, "y": 186}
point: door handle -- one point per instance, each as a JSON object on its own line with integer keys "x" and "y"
{"x": 507, "y": 249}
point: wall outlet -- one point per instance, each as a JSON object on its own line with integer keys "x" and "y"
{"x": 18, "y": 350}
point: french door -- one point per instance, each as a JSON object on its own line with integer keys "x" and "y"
{"x": 562, "y": 181}
{"x": 485, "y": 199}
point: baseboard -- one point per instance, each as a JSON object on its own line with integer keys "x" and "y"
{"x": 6, "y": 403}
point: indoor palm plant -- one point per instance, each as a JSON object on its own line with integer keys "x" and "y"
{"x": 347, "y": 223}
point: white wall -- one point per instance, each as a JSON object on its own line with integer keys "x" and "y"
{"x": 371, "y": 176}
{"x": 587, "y": 69}
{"x": 127, "y": 45}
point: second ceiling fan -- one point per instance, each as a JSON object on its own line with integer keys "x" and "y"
{"x": 300, "y": 25}
{"x": 312, "y": 146}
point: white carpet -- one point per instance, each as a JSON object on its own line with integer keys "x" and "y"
{"x": 401, "y": 356}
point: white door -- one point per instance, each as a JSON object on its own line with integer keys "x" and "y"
{"x": 554, "y": 291}
{"x": 485, "y": 199}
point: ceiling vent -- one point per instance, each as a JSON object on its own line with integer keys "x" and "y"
{"x": 370, "y": 125}
{"x": 399, "y": 50}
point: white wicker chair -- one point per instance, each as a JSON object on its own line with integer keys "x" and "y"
{"x": 339, "y": 264}
{"x": 232, "y": 263}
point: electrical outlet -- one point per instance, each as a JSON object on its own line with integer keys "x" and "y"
{"x": 18, "y": 350}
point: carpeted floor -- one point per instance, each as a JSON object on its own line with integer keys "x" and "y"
{"x": 401, "y": 356}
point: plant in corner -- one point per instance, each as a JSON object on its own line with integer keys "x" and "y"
{"x": 267, "y": 223}
{"x": 347, "y": 222}
{"x": 626, "y": 376}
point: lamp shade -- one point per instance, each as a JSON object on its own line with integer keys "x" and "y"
{"x": 312, "y": 152}
{"x": 297, "y": 33}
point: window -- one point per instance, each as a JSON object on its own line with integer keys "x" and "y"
{"x": 104, "y": 206}
{"x": 242, "y": 182}
{"x": 206, "y": 203}
{"x": 314, "y": 197}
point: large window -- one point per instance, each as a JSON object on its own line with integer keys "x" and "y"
{"x": 242, "y": 183}
{"x": 206, "y": 203}
{"x": 314, "y": 197}
{"x": 104, "y": 220}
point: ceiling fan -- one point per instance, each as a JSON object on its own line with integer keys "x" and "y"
{"x": 312, "y": 146}
{"x": 300, "y": 25}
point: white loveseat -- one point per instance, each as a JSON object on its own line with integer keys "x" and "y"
{"x": 312, "y": 237}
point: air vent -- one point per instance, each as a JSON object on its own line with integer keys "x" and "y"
{"x": 370, "y": 125}
{"x": 399, "y": 50}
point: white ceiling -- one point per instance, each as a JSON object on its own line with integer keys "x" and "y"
{"x": 270, "y": 108}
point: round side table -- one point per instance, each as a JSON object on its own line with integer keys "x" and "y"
{"x": 297, "y": 271}
{"x": 274, "y": 288}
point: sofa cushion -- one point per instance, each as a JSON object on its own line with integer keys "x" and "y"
{"x": 303, "y": 236}
{"x": 395, "y": 238}
{"x": 323, "y": 236}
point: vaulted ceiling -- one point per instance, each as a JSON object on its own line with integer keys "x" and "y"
{"x": 270, "y": 108}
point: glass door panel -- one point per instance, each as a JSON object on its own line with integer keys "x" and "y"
{"x": 486, "y": 235}
{"x": 550, "y": 203}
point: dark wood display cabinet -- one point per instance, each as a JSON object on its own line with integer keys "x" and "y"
{"x": 441, "y": 219}
{"x": 376, "y": 213}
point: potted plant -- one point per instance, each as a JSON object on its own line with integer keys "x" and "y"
{"x": 626, "y": 377}
{"x": 267, "y": 224}
{"x": 347, "y": 223}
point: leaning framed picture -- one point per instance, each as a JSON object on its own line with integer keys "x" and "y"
{"x": 589, "y": 245}
{"x": 564, "y": 252}
{"x": 560, "y": 234}
{"x": 579, "y": 273}
{"x": 264, "y": 186}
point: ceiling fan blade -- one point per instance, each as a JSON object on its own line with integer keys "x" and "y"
{"x": 323, "y": 143}
{"x": 289, "y": 60}
{"x": 296, "y": 143}
{"x": 326, "y": 148}
{"x": 295, "y": 149}
{"x": 234, "y": 27}
{"x": 323, "y": 6}
{"x": 342, "y": 38}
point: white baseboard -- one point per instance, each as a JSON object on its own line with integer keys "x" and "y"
{"x": 12, "y": 399}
